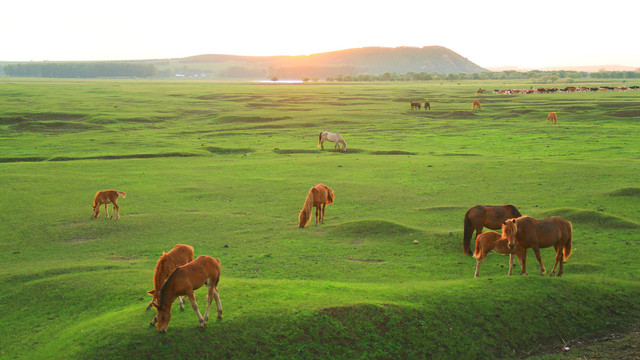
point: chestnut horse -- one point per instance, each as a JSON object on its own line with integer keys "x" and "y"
{"x": 319, "y": 197}
{"x": 178, "y": 256}
{"x": 336, "y": 138}
{"x": 491, "y": 240}
{"x": 488, "y": 216}
{"x": 182, "y": 282}
{"x": 528, "y": 232}
{"x": 475, "y": 104}
{"x": 552, "y": 117}
{"x": 107, "y": 197}
{"x": 415, "y": 105}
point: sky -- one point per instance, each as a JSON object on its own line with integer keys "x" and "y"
{"x": 526, "y": 34}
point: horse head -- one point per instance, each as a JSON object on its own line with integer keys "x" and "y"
{"x": 302, "y": 219}
{"x": 509, "y": 231}
{"x": 163, "y": 316}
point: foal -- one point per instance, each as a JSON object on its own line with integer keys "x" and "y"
{"x": 552, "y": 117}
{"x": 492, "y": 240}
{"x": 107, "y": 197}
{"x": 167, "y": 263}
{"x": 204, "y": 270}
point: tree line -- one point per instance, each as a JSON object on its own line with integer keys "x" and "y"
{"x": 534, "y": 75}
{"x": 81, "y": 69}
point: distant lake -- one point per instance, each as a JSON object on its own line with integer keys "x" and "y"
{"x": 280, "y": 81}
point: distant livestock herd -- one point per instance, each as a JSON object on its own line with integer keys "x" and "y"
{"x": 543, "y": 90}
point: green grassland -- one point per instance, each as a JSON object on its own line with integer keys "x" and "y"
{"x": 225, "y": 167}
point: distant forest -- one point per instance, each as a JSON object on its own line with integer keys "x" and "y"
{"x": 81, "y": 70}
{"x": 150, "y": 70}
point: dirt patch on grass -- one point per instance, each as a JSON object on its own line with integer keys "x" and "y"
{"x": 118, "y": 157}
{"x": 23, "y": 159}
{"x": 227, "y": 151}
{"x": 54, "y": 126}
{"x": 393, "y": 152}
{"x": 294, "y": 151}
{"x": 374, "y": 228}
{"x": 626, "y": 113}
{"x": 377, "y": 261}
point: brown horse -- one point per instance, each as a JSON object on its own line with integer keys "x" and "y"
{"x": 552, "y": 117}
{"x": 107, "y": 197}
{"x": 528, "y": 232}
{"x": 491, "y": 240}
{"x": 178, "y": 256}
{"x": 319, "y": 197}
{"x": 488, "y": 216}
{"x": 182, "y": 282}
{"x": 480, "y": 91}
{"x": 415, "y": 105}
{"x": 427, "y": 106}
{"x": 475, "y": 104}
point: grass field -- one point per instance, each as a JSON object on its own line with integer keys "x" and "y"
{"x": 225, "y": 167}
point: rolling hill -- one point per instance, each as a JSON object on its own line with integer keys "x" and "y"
{"x": 371, "y": 60}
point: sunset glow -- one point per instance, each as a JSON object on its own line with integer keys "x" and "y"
{"x": 490, "y": 34}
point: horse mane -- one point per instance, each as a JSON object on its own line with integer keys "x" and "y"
{"x": 161, "y": 298}
{"x": 308, "y": 206}
{"x": 331, "y": 196}
{"x": 160, "y": 269}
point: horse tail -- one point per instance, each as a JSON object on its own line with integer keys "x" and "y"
{"x": 567, "y": 245}
{"x": 468, "y": 231}
{"x": 476, "y": 254}
{"x": 121, "y": 193}
{"x": 320, "y": 139}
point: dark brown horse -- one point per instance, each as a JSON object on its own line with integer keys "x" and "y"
{"x": 427, "y": 106}
{"x": 528, "y": 232}
{"x": 491, "y": 240}
{"x": 415, "y": 105}
{"x": 488, "y": 216}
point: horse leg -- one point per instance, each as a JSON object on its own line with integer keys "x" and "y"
{"x": 216, "y": 296}
{"x": 536, "y": 250}
{"x": 559, "y": 259}
{"x": 154, "y": 321}
{"x": 106, "y": 210}
{"x": 181, "y": 303}
{"x": 322, "y": 218}
{"x": 317, "y": 213}
{"x": 523, "y": 263}
{"x": 478, "y": 262}
{"x": 322, "y": 144}
{"x": 116, "y": 209}
{"x": 335, "y": 147}
{"x": 511, "y": 263}
{"x": 194, "y": 306}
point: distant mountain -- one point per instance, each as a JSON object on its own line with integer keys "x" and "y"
{"x": 368, "y": 60}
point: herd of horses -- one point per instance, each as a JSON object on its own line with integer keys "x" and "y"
{"x": 178, "y": 275}
{"x": 519, "y": 233}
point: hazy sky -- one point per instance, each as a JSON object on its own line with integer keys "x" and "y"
{"x": 489, "y": 33}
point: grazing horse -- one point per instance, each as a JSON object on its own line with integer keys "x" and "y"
{"x": 488, "y": 216}
{"x": 480, "y": 91}
{"x": 528, "y": 232}
{"x": 552, "y": 117}
{"x": 107, "y": 197}
{"x": 319, "y": 197}
{"x": 329, "y": 136}
{"x": 415, "y": 105}
{"x": 492, "y": 240}
{"x": 427, "y": 106}
{"x": 178, "y": 256}
{"x": 182, "y": 282}
{"x": 476, "y": 103}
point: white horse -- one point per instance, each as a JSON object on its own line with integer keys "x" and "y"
{"x": 329, "y": 136}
